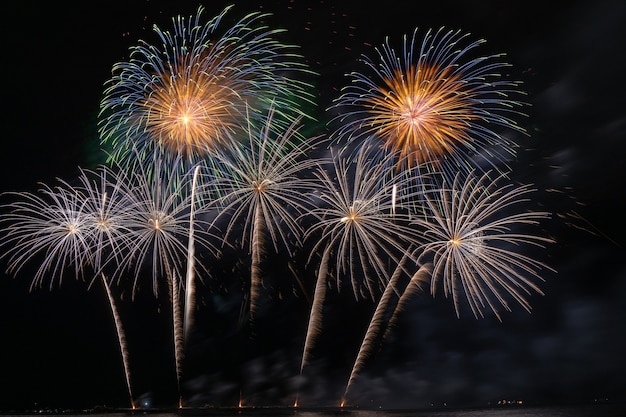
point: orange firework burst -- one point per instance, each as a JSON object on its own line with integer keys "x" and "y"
{"x": 423, "y": 114}
{"x": 188, "y": 113}
{"x": 432, "y": 105}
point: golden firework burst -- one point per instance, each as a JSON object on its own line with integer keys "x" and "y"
{"x": 422, "y": 113}
{"x": 189, "y": 113}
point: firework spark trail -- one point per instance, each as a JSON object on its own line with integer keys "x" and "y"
{"x": 121, "y": 337}
{"x": 376, "y": 324}
{"x": 190, "y": 286}
{"x": 433, "y": 104}
{"x": 314, "y": 326}
{"x": 378, "y": 319}
{"x": 423, "y": 275}
{"x": 471, "y": 236}
{"x": 256, "y": 248}
{"x": 188, "y": 93}
{"x": 263, "y": 191}
{"x": 178, "y": 333}
{"x": 360, "y": 225}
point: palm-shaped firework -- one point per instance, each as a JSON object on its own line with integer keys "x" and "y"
{"x": 362, "y": 227}
{"x": 160, "y": 217}
{"x": 434, "y": 104}
{"x": 80, "y": 226}
{"x": 105, "y": 207}
{"x": 476, "y": 241}
{"x": 262, "y": 192}
{"x": 187, "y": 95}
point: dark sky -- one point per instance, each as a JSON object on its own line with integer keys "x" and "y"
{"x": 59, "y": 347}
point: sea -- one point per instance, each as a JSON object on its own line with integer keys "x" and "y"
{"x": 591, "y": 410}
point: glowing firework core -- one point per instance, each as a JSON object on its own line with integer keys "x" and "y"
{"x": 159, "y": 220}
{"x": 186, "y": 119}
{"x": 188, "y": 113}
{"x": 351, "y": 217}
{"x": 474, "y": 244}
{"x": 260, "y": 186}
{"x": 422, "y": 113}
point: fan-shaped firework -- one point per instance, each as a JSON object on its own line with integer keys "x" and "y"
{"x": 360, "y": 229}
{"x": 264, "y": 191}
{"x": 435, "y": 104}
{"x": 188, "y": 95}
{"x": 472, "y": 234}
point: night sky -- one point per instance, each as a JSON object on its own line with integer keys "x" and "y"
{"x": 59, "y": 347}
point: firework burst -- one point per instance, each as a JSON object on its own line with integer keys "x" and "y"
{"x": 434, "y": 104}
{"x": 104, "y": 194}
{"x": 187, "y": 95}
{"x": 158, "y": 217}
{"x": 50, "y": 226}
{"x": 476, "y": 246}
